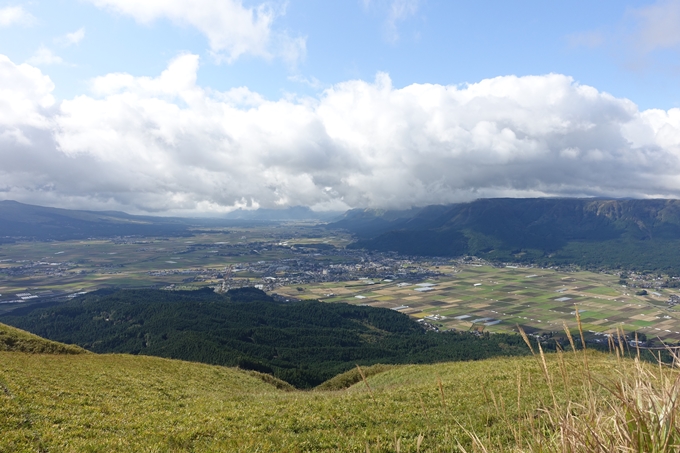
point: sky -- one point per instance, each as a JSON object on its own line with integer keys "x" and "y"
{"x": 194, "y": 108}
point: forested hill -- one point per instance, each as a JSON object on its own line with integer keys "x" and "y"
{"x": 642, "y": 234}
{"x": 303, "y": 343}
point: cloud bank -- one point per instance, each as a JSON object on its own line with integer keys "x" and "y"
{"x": 164, "y": 144}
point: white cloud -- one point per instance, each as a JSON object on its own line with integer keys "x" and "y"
{"x": 231, "y": 28}
{"x": 637, "y": 37}
{"x": 25, "y": 96}
{"x": 15, "y": 15}
{"x": 311, "y": 82}
{"x": 44, "y": 57}
{"x": 164, "y": 144}
{"x": 70, "y": 39}
{"x": 399, "y": 11}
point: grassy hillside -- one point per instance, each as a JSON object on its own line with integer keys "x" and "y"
{"x": 122, "y": 403}
{"x": 13, "y": 339}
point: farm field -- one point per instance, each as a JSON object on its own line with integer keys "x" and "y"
{"x": 497, "y": 299}
{"x": 463, "y": 296}
{"x": 51, "y": 269}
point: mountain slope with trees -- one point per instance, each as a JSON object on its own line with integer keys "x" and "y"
{"x": 638, "y": 234}
{"x": 303, "y": 343}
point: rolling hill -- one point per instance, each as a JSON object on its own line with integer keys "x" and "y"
{"x": 125, "y": 403}
{"x": 13, "y": 339}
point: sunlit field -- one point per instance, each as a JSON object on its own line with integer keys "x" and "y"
{"x": 497, "y": 299}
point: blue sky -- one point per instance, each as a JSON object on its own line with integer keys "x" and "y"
{"x": 443, "y": 42}
{"x": 297, "y": 74}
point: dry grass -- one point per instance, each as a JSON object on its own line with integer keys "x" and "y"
{"x": 632, "y": 408}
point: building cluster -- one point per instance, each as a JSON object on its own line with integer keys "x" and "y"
{"x": 645, "y": 280}
{"x": 673, "y": 300}
{"x": 318, "y": 267}
{"x": 25, "y": 268}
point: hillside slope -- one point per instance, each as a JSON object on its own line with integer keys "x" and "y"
{"x": 642, "y": 234}
{"x": 13, "y": 339}
{"x": 303, "y": 343}
{"x": 19, "y": 221}
{"x": 120, "y": 403}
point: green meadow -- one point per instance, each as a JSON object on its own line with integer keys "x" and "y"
{"x": 123, "y": 403}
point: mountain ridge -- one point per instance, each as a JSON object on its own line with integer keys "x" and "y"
{"x": 541, "y": 230}
{"x": 33, "y": 222}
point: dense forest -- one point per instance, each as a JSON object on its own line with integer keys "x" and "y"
{"x": 626, "y": 234}
{"x": 303, "y": 343}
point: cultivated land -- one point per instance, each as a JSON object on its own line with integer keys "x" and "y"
{"x": 283, "y": 259}
{"x": 497, "y": 299}
{"x": 47, "y": 270}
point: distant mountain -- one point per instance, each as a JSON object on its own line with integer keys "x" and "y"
{"x": 641, "y": 234}
{"x": 367, "y": 223}
{"x": 294, "y": 213}
{"x": 18, "y": 220}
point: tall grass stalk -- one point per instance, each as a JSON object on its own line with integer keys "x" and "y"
{"x": 363, "y": 378}
{"x": 634, "y": 409}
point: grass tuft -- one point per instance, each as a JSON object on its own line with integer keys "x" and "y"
{"x": 635, "y": 410}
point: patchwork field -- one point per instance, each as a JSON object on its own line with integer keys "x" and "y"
{"x": 47, "y": 269}
{"x": 470, "y": 296}
{"x": 498, "y": 299}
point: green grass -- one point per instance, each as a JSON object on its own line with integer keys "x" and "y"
{"x": 127, "y": 403}
{"x": 604, "y": 290}
{"x": 13, "y": 339}
{"x": 349, "y": 378}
